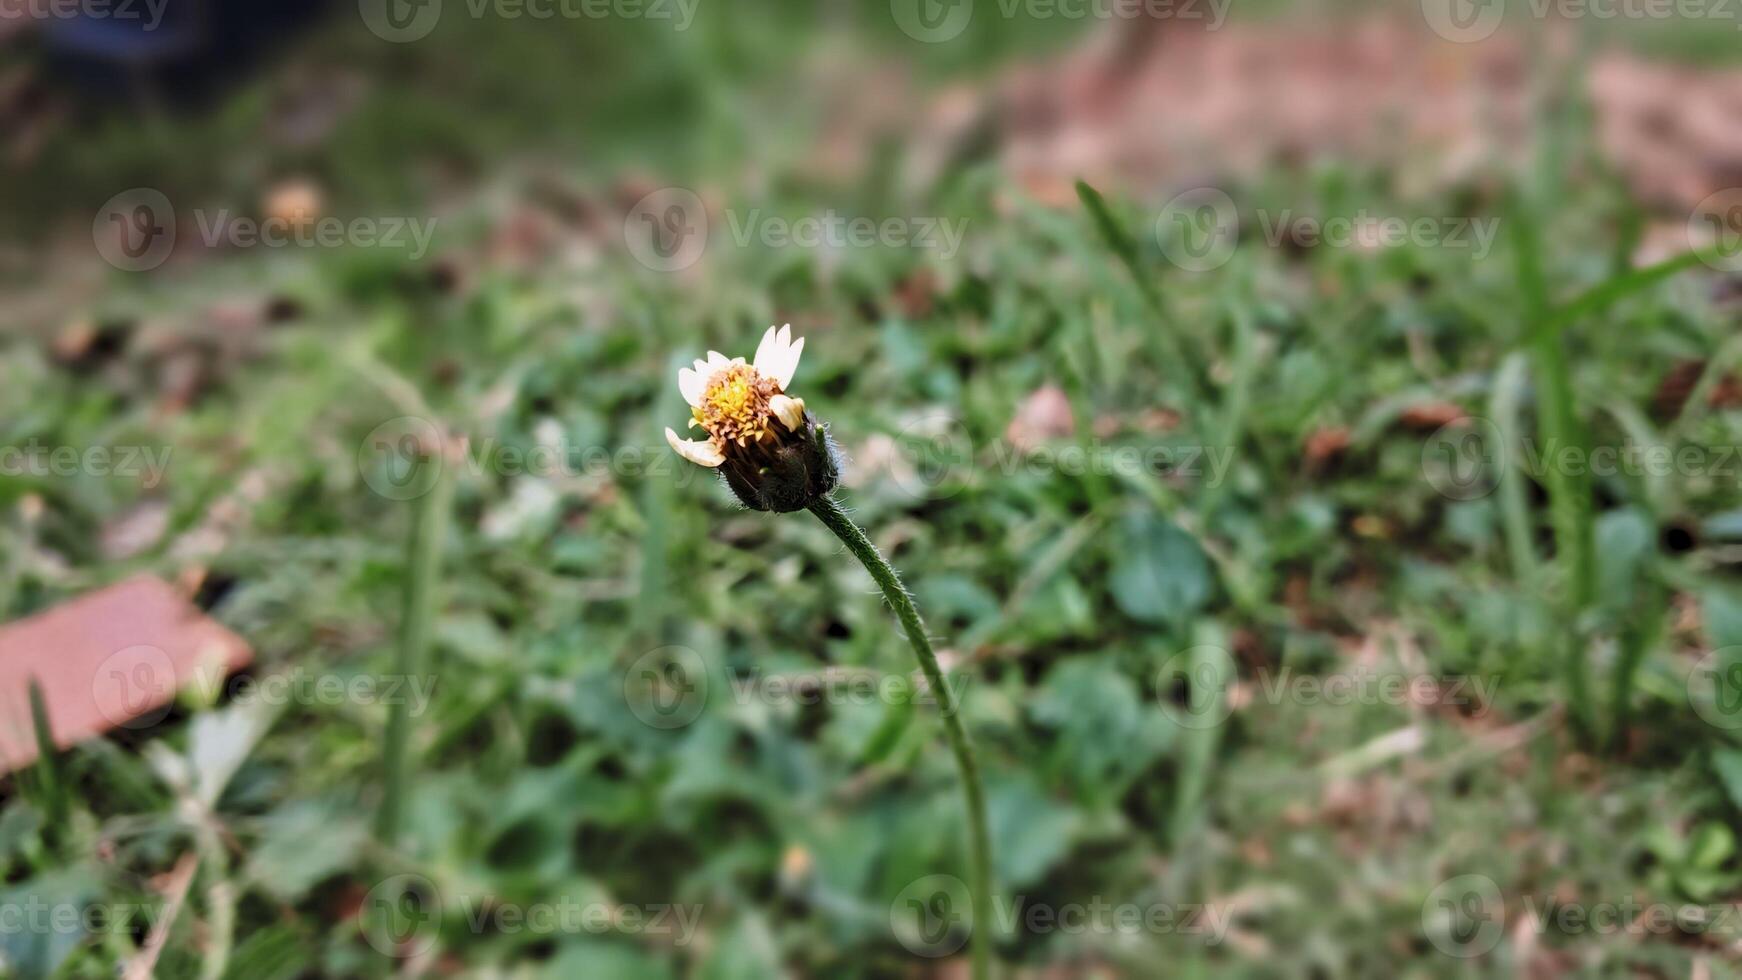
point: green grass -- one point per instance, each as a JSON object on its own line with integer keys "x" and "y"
{"x": 1096, "y": 615}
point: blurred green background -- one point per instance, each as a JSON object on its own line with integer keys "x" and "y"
{"x": 609, "y": 774}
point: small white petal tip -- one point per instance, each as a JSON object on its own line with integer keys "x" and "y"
{"x": 790, "y": 411}
{"x": 696, "y": 451}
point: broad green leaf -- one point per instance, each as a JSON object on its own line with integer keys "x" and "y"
{"x": 1160, "y": 574}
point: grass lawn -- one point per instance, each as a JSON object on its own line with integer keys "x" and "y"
{"x": 1260, "y": 659}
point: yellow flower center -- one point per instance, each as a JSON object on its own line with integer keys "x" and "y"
{"x": 734, "y": 405}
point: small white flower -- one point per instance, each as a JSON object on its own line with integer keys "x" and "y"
{"x": 735, "y": 403}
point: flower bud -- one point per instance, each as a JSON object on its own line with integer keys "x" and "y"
{"x": 787, "y": 472}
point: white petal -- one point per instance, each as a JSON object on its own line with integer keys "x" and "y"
{"x": 717, "y": 360}
{"x": 765, "y": 352}
{"x": 790, "y": 411}
{"x": 786, "y": 335}
{"x": 692, "y": 384}
{"x": 698, "y": 452}
{"x": 787, "y": 365}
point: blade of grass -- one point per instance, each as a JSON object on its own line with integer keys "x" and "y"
{"x": 1231, "y": 418}
{"x": 1569, "y": 494}
{"x": 50, "y": 785}
{"x": 1504, "y": 405}
{"x": 423, "y": 569}
{"x": 1125, "y": 247}
{"x": 1197, "y": 751}
{"x": 1605, "y": 294}
{"x": 1636, "y": 641}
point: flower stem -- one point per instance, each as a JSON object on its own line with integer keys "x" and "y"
{"x": 979, "y": 840}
